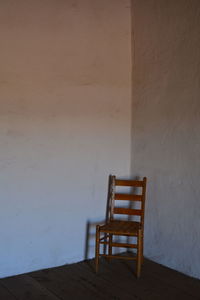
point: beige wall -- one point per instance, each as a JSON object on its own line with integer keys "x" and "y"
{"x": 65, "y": 112}
{"x": 65, "y": 125}
{"x": 166, "y": 127}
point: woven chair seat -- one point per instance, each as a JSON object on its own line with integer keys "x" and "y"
{"x": 121, "y": 227}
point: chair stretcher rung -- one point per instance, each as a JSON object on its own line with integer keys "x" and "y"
{"x": 121, "y": 245}
{"x": 121, "y": 233}
{"x": 119, "y": 256}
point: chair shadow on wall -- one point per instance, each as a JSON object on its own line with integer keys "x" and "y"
{"x": 91, "y": 227}
{"x": 90, "y": 236}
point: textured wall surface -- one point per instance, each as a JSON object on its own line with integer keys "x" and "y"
{"x": 65, "y": 115}
{"x": 166, "y": 127}
{"x": 65, "y": 118}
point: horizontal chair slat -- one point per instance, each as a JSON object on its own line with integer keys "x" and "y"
{"x": 122, "y": 182}
{"x": 120, "y": 245}
{"x": 119, "y": 257}
{"x": 127, "y": 211}
{"x": 128, "y": 197}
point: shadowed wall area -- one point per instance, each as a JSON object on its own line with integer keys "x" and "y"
{"x": 65, "y": 117}
{"x": 166, "y": 126}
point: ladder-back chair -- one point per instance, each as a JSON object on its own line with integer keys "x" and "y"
{"x": 133, "y": 226}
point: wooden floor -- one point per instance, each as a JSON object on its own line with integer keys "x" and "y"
{"x": 115, "y": 280}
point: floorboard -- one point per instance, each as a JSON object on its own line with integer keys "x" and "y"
{"x": 5, "y": 294}
{"x": 24, "y": 287}
{"x": 115, "y": 280}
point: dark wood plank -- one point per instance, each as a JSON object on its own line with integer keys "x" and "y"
{"x": 104, "y": 284}
{"x": 115, "y": 280}
{"x": 188, "y": 285}
{"x": 150, "y": 286}
{"x": 5, "y": 294}
{"x": 25, "y": 287}
{"x": 67, "y": 284}
{"x": 124, "y": 278}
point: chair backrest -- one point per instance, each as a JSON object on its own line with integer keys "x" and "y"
{"x": 136, "y": 194}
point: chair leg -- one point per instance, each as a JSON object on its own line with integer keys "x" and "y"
{"x": 110, "y": 242}
{"x": 142, "y": 246}
{"x": 97, "y": 248}
{"x": 105, "y": 245}
{"x": 139, "y": 253}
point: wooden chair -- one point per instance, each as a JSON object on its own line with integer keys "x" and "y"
{"x": 129, "y": 227}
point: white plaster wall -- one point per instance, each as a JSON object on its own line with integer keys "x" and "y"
{"x": 65, "y": 120}
{"x": 166, "y": 127}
